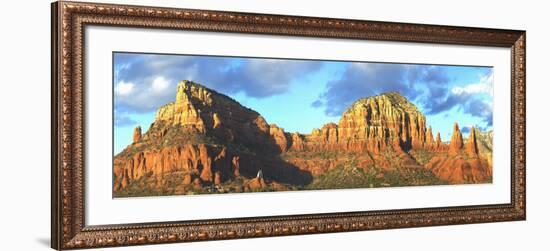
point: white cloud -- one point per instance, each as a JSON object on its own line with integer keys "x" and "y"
{"x": 124, "y": 88}
{"x": 155, "y": 77}
{"x": 159, "y": 84}
{"x": 484, "y": 86}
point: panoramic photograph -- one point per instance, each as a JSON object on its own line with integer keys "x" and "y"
{"x": 191, "y": 124}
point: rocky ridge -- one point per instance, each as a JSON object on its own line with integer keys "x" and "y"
{"x": 211, "y": 139}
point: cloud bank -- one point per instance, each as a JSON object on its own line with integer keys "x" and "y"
{"x": 144, "y": 82}
{"x": 427, "y": 85}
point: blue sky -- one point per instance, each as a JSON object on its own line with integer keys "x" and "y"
{"x": 299, "y": 95}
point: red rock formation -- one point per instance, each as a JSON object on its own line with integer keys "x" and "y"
{"x": 137, "y": 134}
{"x": 438, "y": 140}
{"x": 458, "y": 170}
{"x": 381, "y": 121}
{"x": 329, "y": 133}
{"x": 297, "y": 142}
{"x": 461, "y": 164}
{"x": 471, "y": 145}
{"x": 211, "y": 138}
{"x": 279, "y": 137}
{"x": 439, "y": 146}
{"x": 324, "y": 139}
{"x": 201, "y": 159}
{"x": 373, "y": 124}
{"x": 456, "y": 140}
{"x": 430, "y": 138}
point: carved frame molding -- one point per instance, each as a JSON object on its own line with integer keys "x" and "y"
{"x": 68, "y": 226}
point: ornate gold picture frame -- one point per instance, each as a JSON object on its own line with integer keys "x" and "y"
{"x": 68, "y": 177}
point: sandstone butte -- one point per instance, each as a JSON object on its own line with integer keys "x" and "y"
{"x": 212, "y": 139}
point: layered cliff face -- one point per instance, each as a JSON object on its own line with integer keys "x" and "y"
{"x": 201, "y": 162}
{"x": 206, "y": 139}
{"x": 385, "y": 120}
{"x": 372, "y": 124}
{"x": 379, "y": 130}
